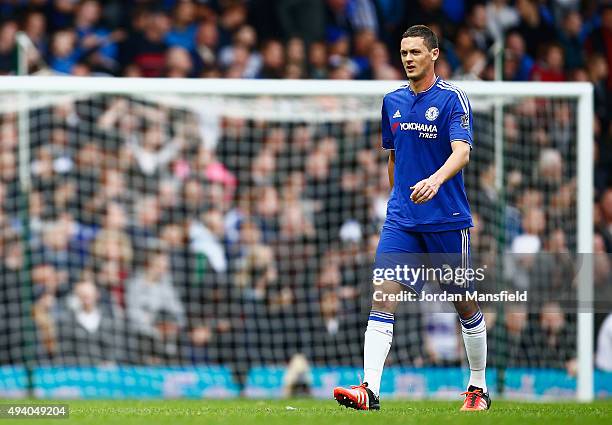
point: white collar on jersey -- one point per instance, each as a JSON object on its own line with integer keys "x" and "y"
{"x": 427, "y": 89}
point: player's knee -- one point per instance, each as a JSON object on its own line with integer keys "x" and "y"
{"x": 381, "y": 302}
{"x": 466, "y": 309}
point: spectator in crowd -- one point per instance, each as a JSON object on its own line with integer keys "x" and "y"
{"x": 178, "y": 63}
{"x": 8, "y": 47}
{"x": 302, "y": 19}
{"x": 500, "y": 17}
{"x": 472, "y": 66}
{"x": 571, "y": 37}
{"x": 240, "y": 57}
{"x": 551, "y": 336}
{"x": 111, "y": 191}
{"x": 183, "y": 30}
{"x": 602, "y": 269}
{"x": 12, "y": 270}
{"x": 600, "y": 38}
{"x": 44, "y": 312}
{"x": 597, "y": 70}
{"x": 317, "y": 60}
{"x": 480, "y": 33}
{"x": 87, "y": 334}
{"x": 145, "y": 50}
{"x": 551, "y": 66}
{"x": 515, "y": 339}
{"x": 532, "y": 26}
{"x": 256, "y": 265}
{"x": 206, "y": 238}
{"x": 350, "y": 16}
{"x": 48, "y": 285}
{"x": 57, "y": 246}
{"x": 98, "y": 42}
{"x": 206, "y": 47}
{"x": 533, "y": 224}
{"x": 550, "y": 170}
{"x": 112, "y": 252}
{"x": 332, "y": 325}
{"x": 516, "y": 52}
{"x": 154, "y": 309}
{"x": 603, "y": 357}
{"x": 192, "y": 198}
{"x": 605, "y": 222}
{"x": 380, "y": 66}
{"x": 207, "y": 166}
{"x": 152, "y": 153}
{"x": 64, "y": 52}
{"x": 273, "y": 60}
{"x": 441, "y": 337}
{"x": 146, "y": 222}
{"x": 426, "y": 12}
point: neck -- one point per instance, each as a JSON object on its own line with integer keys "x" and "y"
{"x": 424, "y": 83}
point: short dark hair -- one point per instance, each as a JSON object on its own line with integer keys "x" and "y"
{"x": 429, "y": 37}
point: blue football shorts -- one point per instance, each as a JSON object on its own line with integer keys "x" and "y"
{"x": 416, "y": 258}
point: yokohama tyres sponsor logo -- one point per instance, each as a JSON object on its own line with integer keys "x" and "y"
{"x": 429, "y": 128}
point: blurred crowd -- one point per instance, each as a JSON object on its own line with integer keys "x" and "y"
{"x": 555, "y": 40}
{"x": 150, "y": 240}
{"x": 153, "y": 239}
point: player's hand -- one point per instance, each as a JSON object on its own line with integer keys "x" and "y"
{"x": 424, "y": 190}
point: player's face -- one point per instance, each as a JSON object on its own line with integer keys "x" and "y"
{"x": 417, "y": 59}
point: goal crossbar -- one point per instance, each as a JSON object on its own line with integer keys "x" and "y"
{"x": 51, "y": 84}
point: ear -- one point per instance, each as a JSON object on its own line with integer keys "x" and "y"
{"x": 435, "y": 53}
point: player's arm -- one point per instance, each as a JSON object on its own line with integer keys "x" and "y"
{"x": 387, "y": 142}
{"x": 391, "y": 167}
{"x": 427, "y": 188}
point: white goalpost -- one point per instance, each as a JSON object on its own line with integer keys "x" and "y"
{"x": 272, "y": 136}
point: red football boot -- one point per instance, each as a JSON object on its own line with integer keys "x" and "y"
{"x": 358, "y": 397}
{"x": 475, "y": 399}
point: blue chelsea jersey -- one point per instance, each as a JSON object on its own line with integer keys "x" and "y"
{"x": 420, "y": 128}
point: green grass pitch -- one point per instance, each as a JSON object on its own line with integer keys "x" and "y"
{"x": 322, "y": 412}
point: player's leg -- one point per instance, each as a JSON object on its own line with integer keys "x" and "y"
{"x": 474, "y": 332}
{"x": 452, "y": 248}
{"x": 377, "y": 343}
{"x": 379, "y": 332}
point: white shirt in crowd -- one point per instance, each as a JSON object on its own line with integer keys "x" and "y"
{"x": 603, "y": 357}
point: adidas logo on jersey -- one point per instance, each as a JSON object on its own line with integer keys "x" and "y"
{"x": 397, "y": 114}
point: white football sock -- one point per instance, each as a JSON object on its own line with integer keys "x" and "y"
{"x": 474, "y": 332}
{"x": 378, "y": 337}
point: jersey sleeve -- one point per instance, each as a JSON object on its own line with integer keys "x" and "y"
{"x": 460, "y": 127}
{"x": 387, "y": 135}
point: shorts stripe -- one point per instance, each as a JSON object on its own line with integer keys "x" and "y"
{"x": 464, "y": 248}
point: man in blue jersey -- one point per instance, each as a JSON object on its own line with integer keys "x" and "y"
{"x": 427, "y": 128}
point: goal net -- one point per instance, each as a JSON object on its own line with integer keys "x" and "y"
{"x": 215, "y": 238}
